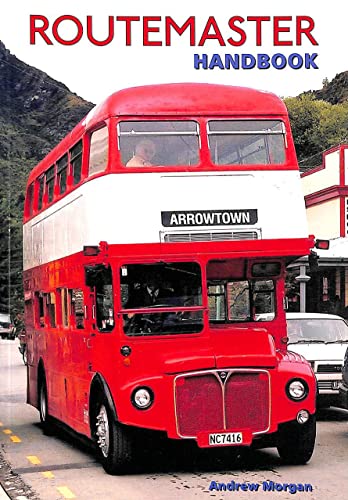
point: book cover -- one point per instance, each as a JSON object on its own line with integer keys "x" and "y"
{"x": 57, "y": 61}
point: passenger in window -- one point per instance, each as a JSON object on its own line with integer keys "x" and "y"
{"x": 145, "y": 150}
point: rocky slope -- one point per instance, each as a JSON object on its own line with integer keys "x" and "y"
{"x": 36, "y": 112}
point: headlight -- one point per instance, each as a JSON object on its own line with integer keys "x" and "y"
{"x": 302, "y": 416}
{"x": 142, "y": 398}
{"x": 297, "y": 389}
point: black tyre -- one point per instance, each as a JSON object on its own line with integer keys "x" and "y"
{"x": 46, "y": 420}
{"x": 296, "y": 441}
{"x": 114, "y": 442}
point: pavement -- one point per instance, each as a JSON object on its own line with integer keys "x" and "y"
{"x": 3, "y": 494}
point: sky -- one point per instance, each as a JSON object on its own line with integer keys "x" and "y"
{"x": 94, "y": 72}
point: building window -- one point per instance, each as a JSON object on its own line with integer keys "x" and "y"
{"x": 76, "y": 162}
{"x": 98, "y": 153}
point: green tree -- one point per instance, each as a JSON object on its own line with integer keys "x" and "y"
{"x": 316, "y": 126}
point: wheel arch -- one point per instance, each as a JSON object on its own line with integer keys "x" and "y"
{"x": 98, "y": 387}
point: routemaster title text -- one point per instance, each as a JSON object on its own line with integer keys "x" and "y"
{"x": 158, "y": 31}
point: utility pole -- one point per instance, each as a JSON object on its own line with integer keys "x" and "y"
{"x": 302, "y": 278}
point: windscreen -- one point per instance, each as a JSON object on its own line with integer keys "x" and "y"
{"x": 317, "y": 330}
{"x": 170, "y": 295}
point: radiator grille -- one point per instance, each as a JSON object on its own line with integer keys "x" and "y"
{"x": 209, "y": 402}
{"x": 197, "y": 400}
{"x": 247, "y": 401}
{"x": 210, "y": 236}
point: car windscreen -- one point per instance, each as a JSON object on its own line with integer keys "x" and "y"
{"x": 317, "y": 330}
{"x": 5, "y": 320}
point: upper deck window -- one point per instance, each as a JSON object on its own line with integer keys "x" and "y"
{"x": 98, "y": 152}
{"x": 158, "y": 143}
{"x": 41, "y": 192}
{"x": 30, "y": 199}
{"x": 76, "y": 162}
{"x": 247, "y": 142}
{"x": 62, "y": 170}
{"x": 50, "y": 177}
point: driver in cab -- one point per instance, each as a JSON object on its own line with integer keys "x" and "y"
{"x": 149, "y": 294}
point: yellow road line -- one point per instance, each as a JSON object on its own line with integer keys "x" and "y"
{"x": 48, "y": 474}
{"x": 66, "y": 492}
{"x": 34, "y": 460}
{"x": 15, "y": 439}
{"x": 7, "y": 431}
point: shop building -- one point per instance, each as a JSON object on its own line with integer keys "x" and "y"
{"x": 325, "y": 188}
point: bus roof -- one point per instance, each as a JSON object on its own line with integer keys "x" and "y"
{"x": 188, "y": 99}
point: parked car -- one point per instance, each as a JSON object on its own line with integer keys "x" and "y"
{"x": 343, "y": 387}
{"x": 7, "y": 330}
{"x": 322, "y": 339}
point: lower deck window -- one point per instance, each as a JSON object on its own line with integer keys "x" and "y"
{"x": 51, "y": 309}
{"x": 104, "y": 301}
{"x": 77, "y": 305}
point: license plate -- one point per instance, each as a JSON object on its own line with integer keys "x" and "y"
{"x": 226, "y": 438}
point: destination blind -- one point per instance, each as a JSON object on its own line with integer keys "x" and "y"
{"x": 243, "y": 217}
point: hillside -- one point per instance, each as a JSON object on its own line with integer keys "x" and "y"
{"x": 36, "y": 112}
{"x": 334, "y": 92}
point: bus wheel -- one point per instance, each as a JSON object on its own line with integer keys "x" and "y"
{"x": 46, "y": 421}
{"x": 296, "y": 441}
{"x": 113, "y": 441}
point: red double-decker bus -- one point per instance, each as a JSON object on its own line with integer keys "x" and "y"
{"x": 156, "y": 238}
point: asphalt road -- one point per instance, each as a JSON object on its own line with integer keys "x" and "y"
{"x": 34, "y": 466}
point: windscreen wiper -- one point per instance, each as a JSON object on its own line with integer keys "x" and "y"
{"x": 308, "y": 341}
{"x": 336, "y": 341}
